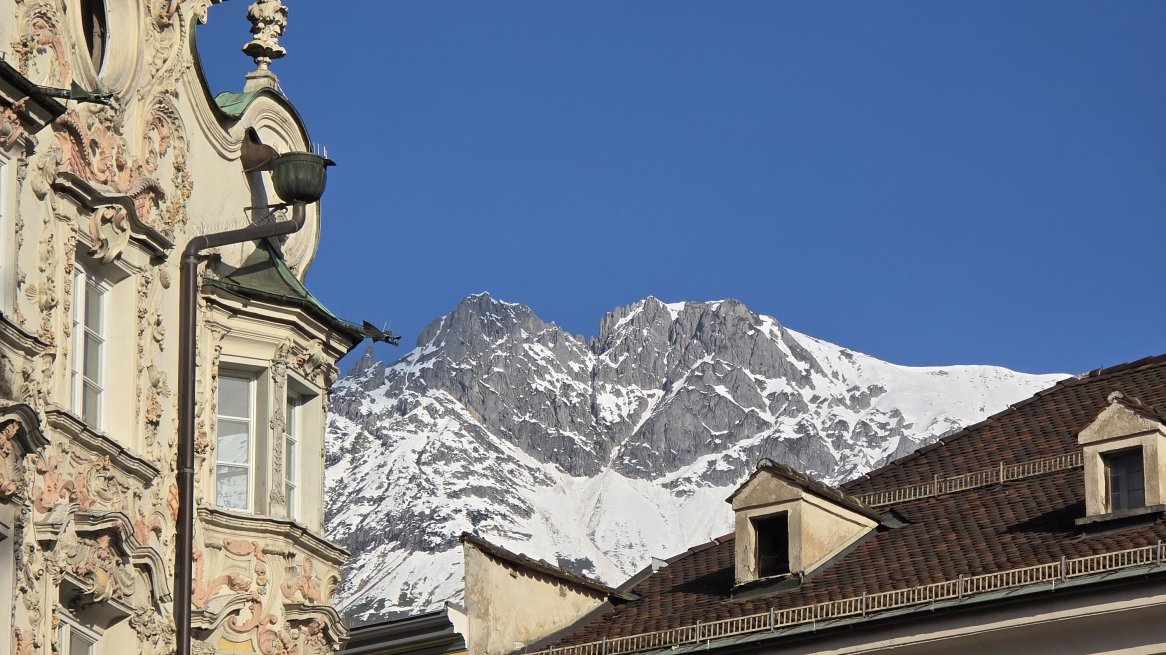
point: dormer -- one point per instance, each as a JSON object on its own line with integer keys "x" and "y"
{"x": 789, "y": 524}
{"x": 1124, "y": 451}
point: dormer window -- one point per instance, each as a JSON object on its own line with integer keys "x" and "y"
{"x": 789, "y": 524}
{"x": 94, "y": 24}
{"x": 1125, "y": 475}
{"x": 772, "y": 544}
{"x": 1124, "y": 449}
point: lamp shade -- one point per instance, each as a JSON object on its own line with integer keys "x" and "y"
{"x": 300, "y": 176}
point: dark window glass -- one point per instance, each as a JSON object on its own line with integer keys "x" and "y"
{"x": 1127, "y": 480}
{"x": 93, "y": 22}
{"x": 772, "y": 544}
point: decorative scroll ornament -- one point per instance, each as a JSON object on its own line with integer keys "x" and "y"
{"x": 103, "y": 569}
{"x": 9, "y": 479}
{"x": 268, "y": 21}
{"x": 305, "y": 585}
{"x": 278, "y": 421}
{"x": 40, "y": 44}
{"x": 11, "y": 128}
{"x": 270, "y": 641}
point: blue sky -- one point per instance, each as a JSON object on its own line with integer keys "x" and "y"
{"x": 930, "y": 183}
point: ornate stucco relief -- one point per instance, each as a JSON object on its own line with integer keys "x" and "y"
{"x": 278, "y": 501}
{"x": 40, "y": 51}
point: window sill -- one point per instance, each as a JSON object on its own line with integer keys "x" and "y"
{"x": 1121, "y": 514}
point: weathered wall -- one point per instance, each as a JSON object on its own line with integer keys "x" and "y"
{"x": 508, "y": 608}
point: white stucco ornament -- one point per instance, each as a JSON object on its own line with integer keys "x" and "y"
{"x": 268, "y": 21}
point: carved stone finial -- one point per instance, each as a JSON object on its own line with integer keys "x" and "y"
{"x": 268, "y": 21}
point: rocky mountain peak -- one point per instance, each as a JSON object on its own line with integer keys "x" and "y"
{"x": 606, "y": 453}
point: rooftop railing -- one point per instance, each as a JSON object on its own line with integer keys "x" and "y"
{"x": 1002, "y": 473}
{"x": 860, "y": 606}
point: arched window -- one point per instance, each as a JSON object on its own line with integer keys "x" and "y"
{"x": 93, "y": 22}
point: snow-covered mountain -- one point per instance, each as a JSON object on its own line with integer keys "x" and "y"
{"x": 599, "y": 455}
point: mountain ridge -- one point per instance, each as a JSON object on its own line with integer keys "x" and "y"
{"x": 602, "y": 453}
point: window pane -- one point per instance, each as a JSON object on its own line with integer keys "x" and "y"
{"x": 289, "y": 458}
{"x": 234, "y": 396}
{"x": 291, "y": 501}
{"x": 92, "y": 307}
{"x": 234, "y": 444}
{"x": 92, "y": 356}
{"x": 290, "y": 414}
{"x": 1127, "y": 486}
{"x": 231, "y": 487}
{"x": 90, "y": 404}
{"x": 79, "y": 644}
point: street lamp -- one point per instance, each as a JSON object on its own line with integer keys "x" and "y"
{"x": 299, "y": 178}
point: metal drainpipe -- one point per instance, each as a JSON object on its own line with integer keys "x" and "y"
{"x": 187, "y": 326}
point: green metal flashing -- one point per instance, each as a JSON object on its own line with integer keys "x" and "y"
{"x": 265, "y": 276}
{"x": 234, "y": 104}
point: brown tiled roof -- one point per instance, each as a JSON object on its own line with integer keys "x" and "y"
{"x": 984, "y": 530}
{"x": 539, "y": 566}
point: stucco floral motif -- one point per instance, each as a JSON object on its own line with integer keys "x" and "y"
{"x": 9, "y": 482}
{"x": 154, "y": 633}
{"x": 11, "y": 128}
{"x": 244, "y": 548}
{"x": 203, "y": 591}
{"x": 39, "y": 35}
{"x": 110, "y": 231}
{"x": 305, "y": 586}
{"x": 270, "y": 641}
{"x": 144, "y": 527}
{"x": 95, "y": 150}
{"x": 24, "y": 641}
{"x": 103, "y": 569}
{"x": 54, "y": 488}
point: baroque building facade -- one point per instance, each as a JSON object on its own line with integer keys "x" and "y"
{"x": 99, "y": 193}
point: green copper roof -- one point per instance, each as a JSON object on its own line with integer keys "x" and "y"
{"x": 265, "y": 276}
{"x": 235, "y": 104}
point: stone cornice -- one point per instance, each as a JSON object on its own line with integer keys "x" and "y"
{"x": 90, "y": 197}
{"x": 309, "y": 611}
{"x": 297, "y": 534}
{"x": 31, "y": 438}
{"x": 124, "y": 459}
{"x": 140, "y": 554}
{"x": 19, "y": 339}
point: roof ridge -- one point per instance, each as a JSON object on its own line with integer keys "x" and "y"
{"x": 1086, "y": 378}
{"x": 538, "y": 565}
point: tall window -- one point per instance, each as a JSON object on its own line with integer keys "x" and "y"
{"x": 291, "y": 455}
{"x": 236, "y": 436}
{"x": 89, "y": 331}
{"x": 94, "y": 23}
{"x": 76, "y": 641}
{"x": 772, "y": 544}
{"x": 1126, "y": 480}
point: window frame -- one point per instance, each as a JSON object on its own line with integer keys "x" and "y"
{"x": 1107, "y": 459}
{"x": 757, "y": 523}
{"x": 69, "y": 628}
{"x": 252, "y": 402}
{"x": 291, "y": 440}
{"x": 77, "y": 379}
{"x": 98, "y": 58}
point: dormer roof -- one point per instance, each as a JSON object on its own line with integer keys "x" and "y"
{"x": 740, "y": 497}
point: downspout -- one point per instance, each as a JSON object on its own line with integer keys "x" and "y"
{"x": 187, "y": 328}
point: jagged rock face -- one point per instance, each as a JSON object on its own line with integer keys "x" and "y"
{"x": 606, "y": 453}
